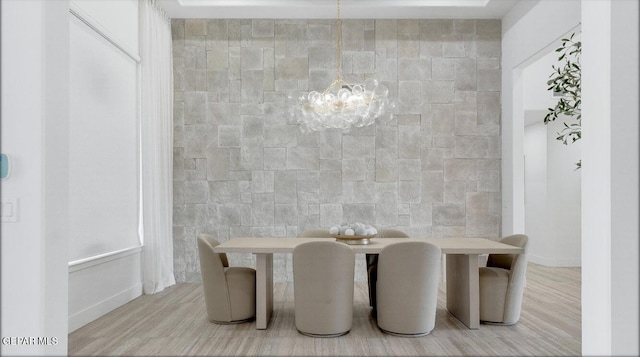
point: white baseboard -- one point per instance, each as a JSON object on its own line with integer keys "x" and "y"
{"x": 105, "y": 306}
{"x": 554, "y": 262}
{"x": 100, "y": 284}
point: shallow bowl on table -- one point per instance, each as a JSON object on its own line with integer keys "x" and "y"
{"x": 355, "y": 240}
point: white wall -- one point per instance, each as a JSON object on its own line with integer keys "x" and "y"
{"x": 105, "y": 271}
{"x": 552, "y": 195}
{"x": 535, "y": 151}
{"x": 564, "y": 230}
{"x": 35, "y": 43}
{"x": 610, "y": 177}
{"x": 625, "y": 183}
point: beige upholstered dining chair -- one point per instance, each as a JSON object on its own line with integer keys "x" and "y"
{"x": 315, "y": 233}
{"x": 323, "y": 274}
{"x": 372, "y": 263}
{"x": 229, "y": 292}
{"x": 502, "y": 284}
{"x": 407, "y": 296}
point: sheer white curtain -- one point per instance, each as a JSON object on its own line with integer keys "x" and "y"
{"x": 157, "y": 146}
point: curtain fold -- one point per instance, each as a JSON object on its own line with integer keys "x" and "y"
{"x": 156, "y": 146}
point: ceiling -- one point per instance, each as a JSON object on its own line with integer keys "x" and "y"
{"x": 350, "y": 9}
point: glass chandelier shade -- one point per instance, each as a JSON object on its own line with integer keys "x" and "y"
{"x": 342, "y": 105}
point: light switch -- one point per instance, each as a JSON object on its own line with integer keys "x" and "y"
{"x": 9, "y": 210}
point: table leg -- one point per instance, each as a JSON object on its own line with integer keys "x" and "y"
{"x": 463, "y": 288}
{"x": 264, "y": 289}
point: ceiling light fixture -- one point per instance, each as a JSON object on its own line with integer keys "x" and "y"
{"x": 342, "y": 105}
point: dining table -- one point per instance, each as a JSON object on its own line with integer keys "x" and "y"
{"x": 461, "y": 256}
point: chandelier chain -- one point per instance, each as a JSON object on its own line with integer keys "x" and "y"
{"x": 339, "y": 46}
{"x": 342, "y": 105}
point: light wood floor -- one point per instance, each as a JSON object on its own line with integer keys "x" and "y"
{"x": 174, "y": 323}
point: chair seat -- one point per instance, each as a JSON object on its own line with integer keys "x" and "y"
{"x": 501, "y": 284}
{"x": 229, "y": 292}
{"x": 493, "y": 288}
{"x": 241, "y": 282}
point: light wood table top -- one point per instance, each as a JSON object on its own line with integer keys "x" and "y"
{"x": 286, "y": 245}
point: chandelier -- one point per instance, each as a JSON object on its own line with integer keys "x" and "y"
{"x": 342, "y": 105}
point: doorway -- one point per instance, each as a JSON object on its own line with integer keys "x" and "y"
{"x": 552, "y": 185}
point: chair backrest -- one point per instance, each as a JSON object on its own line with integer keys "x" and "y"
{"x": 517, "y": 266}
{"x": 391, "y": 233}
{"x": 213, "y": 278}
{"x": 407, "y": 287}
{"x": 315, "y": 233}
{"x": 505, "y": 261}
{"x": 323, "y": 273}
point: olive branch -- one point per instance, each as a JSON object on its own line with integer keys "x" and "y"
{"x": 565, "y": 82}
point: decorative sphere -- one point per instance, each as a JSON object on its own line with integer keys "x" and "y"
{"x": 349, "y": 232}
{"x": 334, "y": 230}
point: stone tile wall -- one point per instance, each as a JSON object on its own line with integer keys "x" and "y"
{"x": 242, "y": 167}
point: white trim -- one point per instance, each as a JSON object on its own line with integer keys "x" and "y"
{"x": 140, "y": 188}
{"x": 323, "y": 3}
{"x": 102, "y": 258}
{"x": 83, "y": 16}
{"x": 353, "y": 9}
{"x": 105, "y": 306}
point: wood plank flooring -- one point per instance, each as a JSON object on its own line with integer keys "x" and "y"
{"x": 174, "y": 323}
